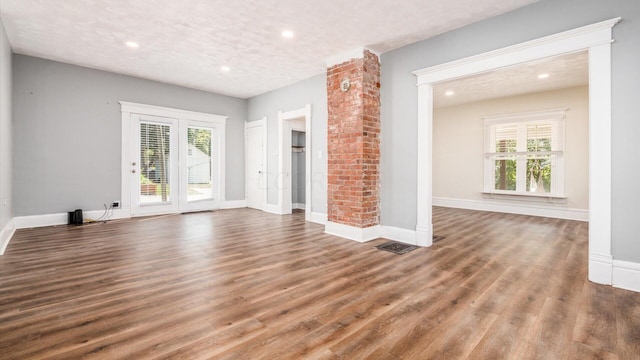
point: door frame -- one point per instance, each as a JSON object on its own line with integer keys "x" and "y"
{"x": 286, "y": 122}
{"x": 596, "y": 39}
{"x": 263, "y": 183}
{"x": 128, "y": 109}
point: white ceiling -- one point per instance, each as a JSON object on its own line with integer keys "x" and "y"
{"x": 186, "y": 42}
{"x": 564, "y": 71}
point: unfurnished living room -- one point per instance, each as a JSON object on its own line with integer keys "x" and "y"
{"x": 319, "y": 179}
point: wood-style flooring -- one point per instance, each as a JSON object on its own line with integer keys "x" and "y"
{"x": 243, "y": 284}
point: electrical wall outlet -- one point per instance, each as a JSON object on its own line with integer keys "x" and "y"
{"x": 115, "y": 204}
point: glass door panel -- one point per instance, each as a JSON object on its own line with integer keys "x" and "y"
{"x": 199, "y": 164}
{"x": 155, "y": 163}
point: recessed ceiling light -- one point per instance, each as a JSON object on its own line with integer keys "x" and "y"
{"x": 132, "y": 44}
{"x": 288, "y": 34}
{"x": 225, "y": 68}
{"x": 543, "y": 76}
{"x": 449, "y": 93}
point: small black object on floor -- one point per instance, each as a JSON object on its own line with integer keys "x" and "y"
{"x": 396, "y": 248}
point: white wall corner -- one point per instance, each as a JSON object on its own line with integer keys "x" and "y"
{"x": 600, "y": 268}
{"x": 234, "y": 204}
{"x": 298, "y": 206}
{"x": 6, "y": 234}
{"x": 352, "y": 232}
{"x": 626, "y": 275}
{"x": 318, "y": 218}
{"x": 399, "y": 234}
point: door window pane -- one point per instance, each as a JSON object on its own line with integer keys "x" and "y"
{"x": 199, "y": 175}
{"x": 154, "y": 163}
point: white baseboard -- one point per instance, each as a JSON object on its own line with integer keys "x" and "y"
{"x": 318, "y": 218}
{"x": 25, "y": 222}
{"x": 272, "y": 209}
{"x": 600, "y": 268}
{"x": 234, "y": 204}
{"x": 352, "y": 232}
{"x": 626, "y": 275}
{"x": 6, "y": 234}
{"x": 512, "y": 208}
{"x": 298, "y": 206}
{"x": 398, "y": 234}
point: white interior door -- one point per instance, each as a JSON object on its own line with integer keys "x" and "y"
{"x": 154, "y": 165}
{"x": 255, "y": 174}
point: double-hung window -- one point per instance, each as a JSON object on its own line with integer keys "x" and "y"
{"x": 524, "y": 154}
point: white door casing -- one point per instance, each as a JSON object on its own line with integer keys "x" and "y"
{"x": 255, "y": 163}
{"x": 299, "y": 120}
{"x": 596, "y": 39}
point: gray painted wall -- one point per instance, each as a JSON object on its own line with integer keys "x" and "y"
{"x": 311, "y": 91}
{"x": 67, "y": 130}
{"x": 6, "y": 151}
{"x": 399, "y": 101}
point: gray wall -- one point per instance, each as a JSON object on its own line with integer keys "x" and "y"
{"x": 6, "y": 188}
{"x": 399, "y": 101}
{"x": 311, "y": 91}
{"x": 67, "y": 130}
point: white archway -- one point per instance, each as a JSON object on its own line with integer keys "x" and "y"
{"x": 596, "y": 39}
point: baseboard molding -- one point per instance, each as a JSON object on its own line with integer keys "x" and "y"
{"x": 398, "y": 234}
{"x": 6, "y": 234}
{"x": 272, "y": 209}
{"x": 626, "y": 275}
{"x": 298, "y": 206}
{"x": 234, "y": 204}
{"x": 522, "y": 209}
{"x": 32, "y": 221}
{"x": 318, "y": 218}
{"x": 352, "y": 232}
{"x": 600, "y": 268}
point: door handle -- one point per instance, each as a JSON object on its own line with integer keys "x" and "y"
{"x": 133, "y": 171}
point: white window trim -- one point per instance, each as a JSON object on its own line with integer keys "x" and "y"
{"x": 129, "y": 108}
{"x": 595, "y": 38}
{"x": 557, "y": 118}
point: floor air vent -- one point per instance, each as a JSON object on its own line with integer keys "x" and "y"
{"x": 396, "y": 248}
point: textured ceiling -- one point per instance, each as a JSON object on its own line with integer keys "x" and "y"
{"x": 186, "y": 42}
{"x": 564, "y": 71}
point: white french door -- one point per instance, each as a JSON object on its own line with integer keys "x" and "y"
{"x": 154, "y": 165}
{"x": 175, "y": 165}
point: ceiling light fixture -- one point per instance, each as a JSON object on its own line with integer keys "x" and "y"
{"x": 543, "y": 76}
{"x": 132, "y": 44}
{"x": 287, "y": 34}
{"x": 449, "y": 93}
{"x": 225, "y": 68}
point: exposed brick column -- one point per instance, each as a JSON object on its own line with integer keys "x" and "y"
{"x": 354, "y": 142}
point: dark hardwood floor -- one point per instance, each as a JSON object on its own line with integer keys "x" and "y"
{"x": 242, "y": 284}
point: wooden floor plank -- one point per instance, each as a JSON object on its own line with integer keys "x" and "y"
{"x": 241, "y": 283}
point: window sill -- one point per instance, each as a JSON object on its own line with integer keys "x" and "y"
{"x": 537, "y": 197}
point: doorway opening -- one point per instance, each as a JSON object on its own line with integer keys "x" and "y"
{"x": 298, "y": 169}
{"x": 294, "y": 124}
{"x": 596, "y": 39}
